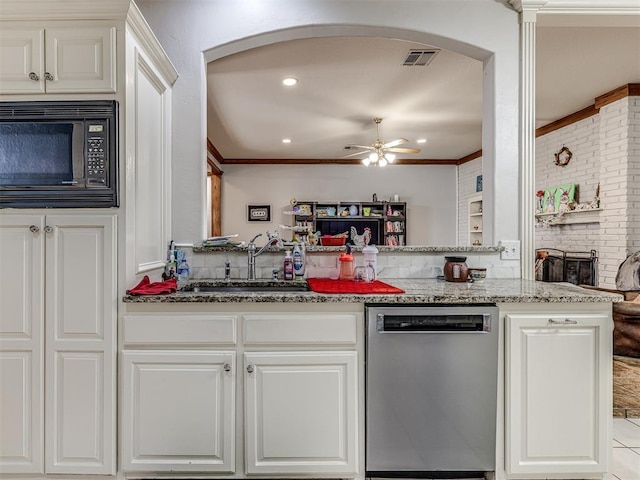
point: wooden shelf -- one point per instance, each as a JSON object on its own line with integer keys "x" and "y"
{"x": 572, "y": 217}
{"x": 475, "y": 219}
{"x": 386, "y": 220}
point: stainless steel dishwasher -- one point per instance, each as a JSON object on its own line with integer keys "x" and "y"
{"x": 431, "y": 391}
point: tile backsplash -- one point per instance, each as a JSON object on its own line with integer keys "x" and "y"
{"x": 395, "y": 264}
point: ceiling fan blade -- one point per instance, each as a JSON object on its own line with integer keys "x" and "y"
{"x": 359, "y": 147}
{"x": 402, "y": 150}
{"x": 362, "y": 152}
{"x": 393, "y": 143}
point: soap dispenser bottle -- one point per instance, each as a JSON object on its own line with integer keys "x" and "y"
{"x": 298, "y": 262}
{"x": 288, "y": 266}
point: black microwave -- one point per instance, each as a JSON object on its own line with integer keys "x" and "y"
{"x": 61, "y": 154}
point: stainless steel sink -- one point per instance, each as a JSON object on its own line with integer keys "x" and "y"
{"x": 247, "y": 287}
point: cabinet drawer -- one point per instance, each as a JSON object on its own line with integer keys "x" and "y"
{"x": 170, "y": 329}
{"x": 300, "y": 328}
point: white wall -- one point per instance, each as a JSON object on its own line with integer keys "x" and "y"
{"x": 430, "y": 193}
{"x": 483, "y": 29}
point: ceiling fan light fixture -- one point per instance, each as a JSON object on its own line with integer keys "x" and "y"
{"x": 382, "y": 162}
{"x": 390, "y": 157}
{"x": 290, "y": 81}
{"x": 366, "y": 162}
{"x": 373, "y": 157}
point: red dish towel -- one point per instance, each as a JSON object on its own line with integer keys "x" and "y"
{"x": 326, "y": 285}
{"x": 145, "y": 287}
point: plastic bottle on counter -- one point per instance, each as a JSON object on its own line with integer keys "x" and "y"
{"x": 288, "y": 266}
{"x": 370, "y": 253}
{"x": 346, "y": 265}
{"x": 183, "y": 270}
{"x": 298, "y": 263}
{"x": 170, "y": 268}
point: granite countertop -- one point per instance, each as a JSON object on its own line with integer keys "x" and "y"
{"x": 356, "y": 248}
{"x": 416, "y": 291}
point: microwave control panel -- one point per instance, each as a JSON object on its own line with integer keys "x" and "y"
{"x": 97, "y": 153}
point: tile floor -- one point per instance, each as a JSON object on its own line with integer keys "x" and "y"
{"x": 626, "y": 449}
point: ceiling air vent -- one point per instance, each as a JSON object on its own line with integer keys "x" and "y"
{"x": 420, "y": 58}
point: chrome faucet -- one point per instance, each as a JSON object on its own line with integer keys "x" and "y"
{"x": 252, "y": 254}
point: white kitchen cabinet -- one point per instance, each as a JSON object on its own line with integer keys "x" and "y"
{"x": 296, "y": 410}
{"x": 57, "y": 338}
{"x": 63, "y": 59}
{"x": 21, "y": 344}
{"x": 178, "y": 392}
{"x": 179, "y": 411}
{"x": 301, "y": 410}
{"x": 558, "y": 393}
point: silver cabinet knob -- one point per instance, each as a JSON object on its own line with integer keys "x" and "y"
{"x": 34, "y": 229}
{"x": 34, "y": 76}
{"x": 226, "y": 367}
{"x": 48, "y": 76}
{"x": 250, "y": 368}
{"x": 48, "y": 229}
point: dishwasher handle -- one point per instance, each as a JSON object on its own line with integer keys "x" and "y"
{"x": 438, "y": 323}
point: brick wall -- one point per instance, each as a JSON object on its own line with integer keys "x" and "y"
{"x": 620, "y": 170}
{"x": 606, "y": 150}
{"x": 467, "y": 173}
{"x": 582, "y": 138}
{"x": 633, "y": 153}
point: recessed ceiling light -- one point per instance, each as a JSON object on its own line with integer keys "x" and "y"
{"x": 421, "y": 140}
{"x": 289, "y": 81}
{"x": 286, "y": 140}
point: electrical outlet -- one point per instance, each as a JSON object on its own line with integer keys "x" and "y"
{"x": 511, "y": 250}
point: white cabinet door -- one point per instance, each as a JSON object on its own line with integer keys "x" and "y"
{"x": 81, "y": 307}
{"x": 301, "y": 413}
{"x": 178, "y": 411}
{"x": 558, "y": 393}
{"x": 72, "y": 59}
{"x": 21, "y": 60}
{"x": 21, "y": 343}
{"x": 80, "y": 59}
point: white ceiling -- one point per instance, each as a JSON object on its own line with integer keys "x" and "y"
{"x": 346, "y": 81}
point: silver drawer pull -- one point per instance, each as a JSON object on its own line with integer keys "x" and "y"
{"x": 34, "y": 76}
{"x": 34, "y": 229}
{"x": 227, "y": 367}
{"x": 250, "y": 368}
{"x": 48, "y": 76}
{"x": 48, "y": 229}
{"x": 566, "y": 321}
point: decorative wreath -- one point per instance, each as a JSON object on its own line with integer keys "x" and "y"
{"x": 563, "y": 157}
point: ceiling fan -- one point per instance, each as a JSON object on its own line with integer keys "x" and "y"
{"x": 381, "y": 153}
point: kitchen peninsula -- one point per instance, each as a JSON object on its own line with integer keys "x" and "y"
{"x": 275, "y": 380}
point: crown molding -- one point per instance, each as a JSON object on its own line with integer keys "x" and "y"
{"x": 591, "y": 7}
{"x": 63, "y": 9}
{"x": 523, "y": 5}
{"x": 143, "y": 33}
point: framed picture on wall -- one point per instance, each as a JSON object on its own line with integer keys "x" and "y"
{"x": 258, "y": 213}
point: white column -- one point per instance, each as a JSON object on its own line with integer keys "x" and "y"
{"x": 528, "y": 10}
